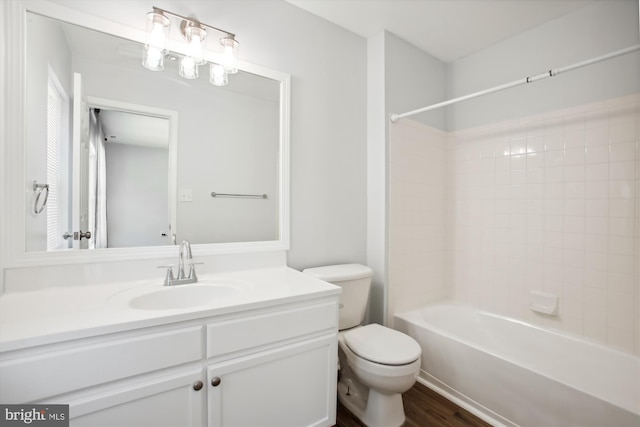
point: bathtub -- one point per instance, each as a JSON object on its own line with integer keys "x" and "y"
{"x": 514, "y": 374}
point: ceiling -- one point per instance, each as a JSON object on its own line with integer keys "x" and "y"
{"x": 122, "y": 127}
{"x": 446, "y": 29}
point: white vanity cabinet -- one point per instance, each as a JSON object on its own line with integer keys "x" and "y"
{"x": 268, "y": 366}
{"x": 291, "y": 384}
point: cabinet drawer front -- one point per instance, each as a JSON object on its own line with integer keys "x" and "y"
{"x": 31, "y": 378}
{"x": 254, "y": 331}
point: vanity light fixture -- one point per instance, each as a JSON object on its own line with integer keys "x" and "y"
{"x": 195, "y": 35}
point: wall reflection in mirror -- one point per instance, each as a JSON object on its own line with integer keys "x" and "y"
{"x": 132, "y": 156}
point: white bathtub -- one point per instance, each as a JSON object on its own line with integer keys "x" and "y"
{"x": 512, "y": 373}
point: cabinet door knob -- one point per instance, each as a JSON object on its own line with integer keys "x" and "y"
{"x": 216, "y": 381}
{"x": 198, "y": 385}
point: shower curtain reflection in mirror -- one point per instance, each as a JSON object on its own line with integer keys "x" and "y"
{"x": 97, "y": 183}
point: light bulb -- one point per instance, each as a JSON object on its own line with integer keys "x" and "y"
{"x": 230, "y": 54}
{"x": 196, "y": 37}
{"x": 157, "y": 38}
{"x": 188, "y": 68}
{"x": 157, "y": 31}
{"x": 218, "y": 75}
{"x": 154, "y": 59}
{"x": 195, "y": 51}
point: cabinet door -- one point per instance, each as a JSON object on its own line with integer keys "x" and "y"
{"x": 171, "y": 401}
{"x": 293, "y": 385}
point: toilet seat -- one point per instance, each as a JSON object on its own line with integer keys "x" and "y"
{"x": 382, "y": 345}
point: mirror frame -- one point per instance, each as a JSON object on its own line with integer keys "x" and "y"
{"x": 16, "y": 196}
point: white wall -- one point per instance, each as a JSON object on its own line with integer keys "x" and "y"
{"x": 400, "y": 77}
{"x": 587, "y": 33}
{"x": 235, "y": 152}
{"x": 414, "y": 79}
{"x": 377, "y": 200}
{"x": 417, "y": 216}
{"x": 137, "y": 208}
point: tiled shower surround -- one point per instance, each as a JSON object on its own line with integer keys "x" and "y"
{"x": 548, "y": 203}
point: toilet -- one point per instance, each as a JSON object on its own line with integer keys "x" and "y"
{"x": 376, "y": 364}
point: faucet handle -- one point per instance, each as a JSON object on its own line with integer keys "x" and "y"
{"x": 169, "y": 276}
{"x": 192, "y": 270}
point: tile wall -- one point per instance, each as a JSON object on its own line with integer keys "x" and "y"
{"x": 417, "y": 216}
{"x": 548, "y": 203}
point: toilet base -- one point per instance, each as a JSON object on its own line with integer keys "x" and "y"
{"x": 373, "y": 408}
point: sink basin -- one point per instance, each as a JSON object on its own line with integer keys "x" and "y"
{"x": 182, "y": 296}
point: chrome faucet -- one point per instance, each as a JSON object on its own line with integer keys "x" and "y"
{"x": 184, "y": 256}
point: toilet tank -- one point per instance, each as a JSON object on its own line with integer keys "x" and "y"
{"x": 355, "y": 281}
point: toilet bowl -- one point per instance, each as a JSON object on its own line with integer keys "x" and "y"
{"x": 377, "y": 376}
{"x": 376, "y": 364}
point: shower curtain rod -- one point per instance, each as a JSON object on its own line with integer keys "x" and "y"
{"x": 550, "y": 73}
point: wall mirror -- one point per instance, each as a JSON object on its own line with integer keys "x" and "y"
{"x": 142, "y": 160}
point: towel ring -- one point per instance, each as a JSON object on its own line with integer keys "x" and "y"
{"x": 40, "y": 188}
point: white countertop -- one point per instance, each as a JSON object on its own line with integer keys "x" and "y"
{"x": 53, "y": 315}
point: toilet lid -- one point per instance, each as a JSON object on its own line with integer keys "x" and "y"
{"x": 383, "y": 345}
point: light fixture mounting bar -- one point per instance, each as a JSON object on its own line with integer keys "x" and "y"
{"x": 195, "y": 21}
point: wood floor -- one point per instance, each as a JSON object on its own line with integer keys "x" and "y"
{"x": 422, "y": 407}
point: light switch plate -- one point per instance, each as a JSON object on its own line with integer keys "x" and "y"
{"x": 185, "y": 195}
